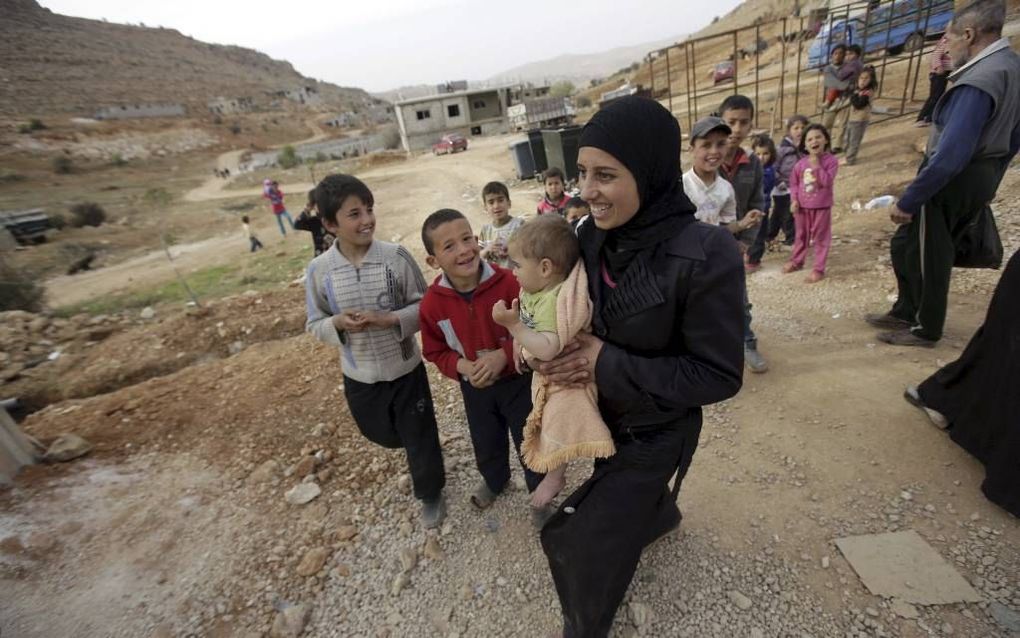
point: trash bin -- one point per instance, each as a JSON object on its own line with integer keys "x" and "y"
{"x": 561, "y": 149}
{"x": 523, "y": 160}
{"x": 538, "y": 151}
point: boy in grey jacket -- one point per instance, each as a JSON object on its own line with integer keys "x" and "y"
{"x": 362, "y": 296}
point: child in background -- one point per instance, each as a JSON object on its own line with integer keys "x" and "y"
{"x": 553, "y": 308}
{"x": 860, "y": 112}
{"x": 252, "y": 239}
{"x": 743, "y": 171}
{"x": 832, "y": 85}
{"x": 712, "y": 195}
{"x": 835, "y": 116}
{"x": 496, "y": 235}
{"x": 787, "y": 156}
{"x": 362, "y": 296}
{"x": 309, "y": 221}
{"x": 811, "y": 188}
{"x": 271, "y": 191}
{"x": 460, "y": 337}
{"x": 576, "y": 211}
{"x": 555, "y": 199}
{"x": 763, "y": 146}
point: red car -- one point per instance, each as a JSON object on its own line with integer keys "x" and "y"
{"x": 450, "y": 144}
{"x": 723, "y": 71}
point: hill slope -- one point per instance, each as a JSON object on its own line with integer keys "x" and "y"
{"x": 59, "y": 64}
{"x": 581, "y": 67}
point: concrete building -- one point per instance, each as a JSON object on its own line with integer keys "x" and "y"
{"x": 525, "y": 92}
{"x": 424, "y": 120}
{"x": 335, "y": 149}
{"x": 132, "y": 111}
{"x": 308, "y": 95}
{"x": 343, "y": 120}
{"x": 228, "y": 105}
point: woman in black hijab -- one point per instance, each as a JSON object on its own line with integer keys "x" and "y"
{"x": 667, "y": 339}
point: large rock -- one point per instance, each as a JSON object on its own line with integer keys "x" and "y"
{"x": 302, "y": 493}
{"x": 67, "y": 447}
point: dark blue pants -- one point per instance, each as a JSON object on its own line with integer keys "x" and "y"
{"x": 781, "y": 219}
{"x": 492, "y": 412}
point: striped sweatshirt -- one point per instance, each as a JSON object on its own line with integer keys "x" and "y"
{"x": 388, "y": 280}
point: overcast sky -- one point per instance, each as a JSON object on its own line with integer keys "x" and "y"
{"x": 383, "y": 44}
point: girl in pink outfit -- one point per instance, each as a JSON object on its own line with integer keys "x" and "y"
{"x": 811, "y": 187}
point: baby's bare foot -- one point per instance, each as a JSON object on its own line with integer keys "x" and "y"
{"x": 551, "y": 485}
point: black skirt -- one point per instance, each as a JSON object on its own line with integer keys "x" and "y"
{"x": 979, "y": 393}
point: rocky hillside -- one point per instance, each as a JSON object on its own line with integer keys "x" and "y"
{"x": 59, "y": 64}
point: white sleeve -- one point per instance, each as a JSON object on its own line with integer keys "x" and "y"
{"x": 728, "y": 212}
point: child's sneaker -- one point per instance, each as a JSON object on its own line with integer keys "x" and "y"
{"x": 433, "y": 512}
{"x": 814, "y": 277}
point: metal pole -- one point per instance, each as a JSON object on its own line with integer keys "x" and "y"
{"x": 757, "y": 66}
{"x": 800, "y": 55}
{"x": 736, "y": 67}
{"x": 782, "y": 76}
{"x": 688, "y": 70}
{"x": 651, "y": 72}
{"x": 694, "y": 69}
{"x": 669, "y": 81}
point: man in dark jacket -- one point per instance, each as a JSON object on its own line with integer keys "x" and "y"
{"x": 976, "y": 134}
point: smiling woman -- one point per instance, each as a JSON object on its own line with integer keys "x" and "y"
{"x": 667, "y": 306}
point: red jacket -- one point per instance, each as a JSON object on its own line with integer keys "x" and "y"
{"x": 452, "y": 328}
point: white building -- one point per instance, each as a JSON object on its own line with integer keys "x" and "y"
{"x": 424, "y": 120}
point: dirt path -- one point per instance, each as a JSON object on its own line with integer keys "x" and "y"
{"x": 213, "y": 187}
{"x": 405, "y": 193}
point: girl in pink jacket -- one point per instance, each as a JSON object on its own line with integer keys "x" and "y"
{"x": 811, "y": 187}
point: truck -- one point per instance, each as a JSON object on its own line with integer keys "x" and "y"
{"x": 541, "y": 112}
{"x": 896, "y": 26}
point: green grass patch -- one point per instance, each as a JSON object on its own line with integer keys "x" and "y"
{"x": 261, "y": 271}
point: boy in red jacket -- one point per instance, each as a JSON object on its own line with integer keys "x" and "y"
{"x": 461, "y": 338}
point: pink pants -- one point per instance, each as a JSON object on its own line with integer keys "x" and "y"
{"x": 813, "y": 227}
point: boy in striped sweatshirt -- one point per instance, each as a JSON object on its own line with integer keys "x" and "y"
{"x": 362, "y": 296}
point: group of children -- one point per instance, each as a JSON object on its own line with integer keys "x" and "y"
{"x": 514, "y": 292}
{"x": 757, "y": 195}
{"x": 849, "y": 89}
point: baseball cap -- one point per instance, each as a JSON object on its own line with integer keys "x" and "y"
{"x": 706, "y": 125}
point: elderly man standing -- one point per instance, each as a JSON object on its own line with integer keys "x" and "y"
{"x": 976, "y": 134}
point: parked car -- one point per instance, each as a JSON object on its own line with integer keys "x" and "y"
{"x": 723, "y": 71}
{"x": 901, "y": 25}
{"x": 450, "y": 144}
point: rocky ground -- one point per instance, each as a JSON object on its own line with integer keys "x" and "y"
{"x": 230, "y": 494}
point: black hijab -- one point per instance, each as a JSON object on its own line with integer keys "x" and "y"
{"x": 645, "y": 137}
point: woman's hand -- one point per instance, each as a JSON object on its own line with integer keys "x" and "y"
{"x": 575, "y": 365}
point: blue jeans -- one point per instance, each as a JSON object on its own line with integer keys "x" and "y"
{"x": 279, "y": 220}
